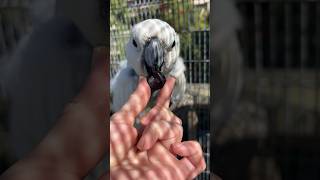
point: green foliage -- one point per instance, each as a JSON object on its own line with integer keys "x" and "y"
{"x": 182, "y": 15}
{"x": 186, "y": 18}
{"x": 119, "y": 10}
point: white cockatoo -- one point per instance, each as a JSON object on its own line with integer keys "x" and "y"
{"x": 152, "y": 51}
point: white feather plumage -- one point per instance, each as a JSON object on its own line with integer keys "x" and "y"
{"x": 125, "y": 81}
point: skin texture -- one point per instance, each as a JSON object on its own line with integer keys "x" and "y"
{"x": 79, "y": 140}
{"x": 154, "y": 156}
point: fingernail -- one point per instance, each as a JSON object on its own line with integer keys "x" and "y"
{"x": 144, "y": 123}
{"x": 141, "y": 145}
{"x": 178, "y": 145}
{"x": 189, "y": 165}
{"x": 142, "y": 119}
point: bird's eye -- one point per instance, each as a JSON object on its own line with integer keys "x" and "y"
{"x": 173, "y": 44}
{"x": 134, "y": 43}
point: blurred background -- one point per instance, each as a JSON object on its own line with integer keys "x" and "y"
{"x": 15, "y": 22}
{"x": 45, "y": 57}
{"x": 190, "y": 19}
{"x": 266, "y": 106}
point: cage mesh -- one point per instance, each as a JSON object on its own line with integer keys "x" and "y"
{"x": 275, "y": 126}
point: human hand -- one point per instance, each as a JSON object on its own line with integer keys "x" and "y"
{"x": 78, "y": 141}
{"x": 160, "y": 141}
{"x": 160, "y": 123}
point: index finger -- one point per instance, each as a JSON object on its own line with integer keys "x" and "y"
{"x": 136, "y": 103}
{"x": 165, "y": 93}
{"x": 163, "y": 100}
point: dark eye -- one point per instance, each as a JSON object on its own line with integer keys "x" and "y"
{"x": 173, "y": 44}
{"x": 134, "y": 43}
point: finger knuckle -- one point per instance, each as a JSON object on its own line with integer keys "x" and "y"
{"x": 196, "y": 145}
{"x": 178, "y": 120}
{"x": 203, "y": 165}
{"x": 180, "y": 131}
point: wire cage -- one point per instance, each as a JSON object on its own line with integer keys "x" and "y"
{"x": 190, "y": 19}
{"x": 274, "y": 129}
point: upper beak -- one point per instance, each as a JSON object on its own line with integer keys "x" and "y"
{"x": 153, "y": 56}
{"x": 154, "y": 59}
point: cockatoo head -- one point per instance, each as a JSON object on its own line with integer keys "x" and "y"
{"x": 152, "y": 50}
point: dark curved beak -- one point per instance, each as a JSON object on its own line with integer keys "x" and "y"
{"x": 153, "y": 55}
{"x": 154, "y": 59}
